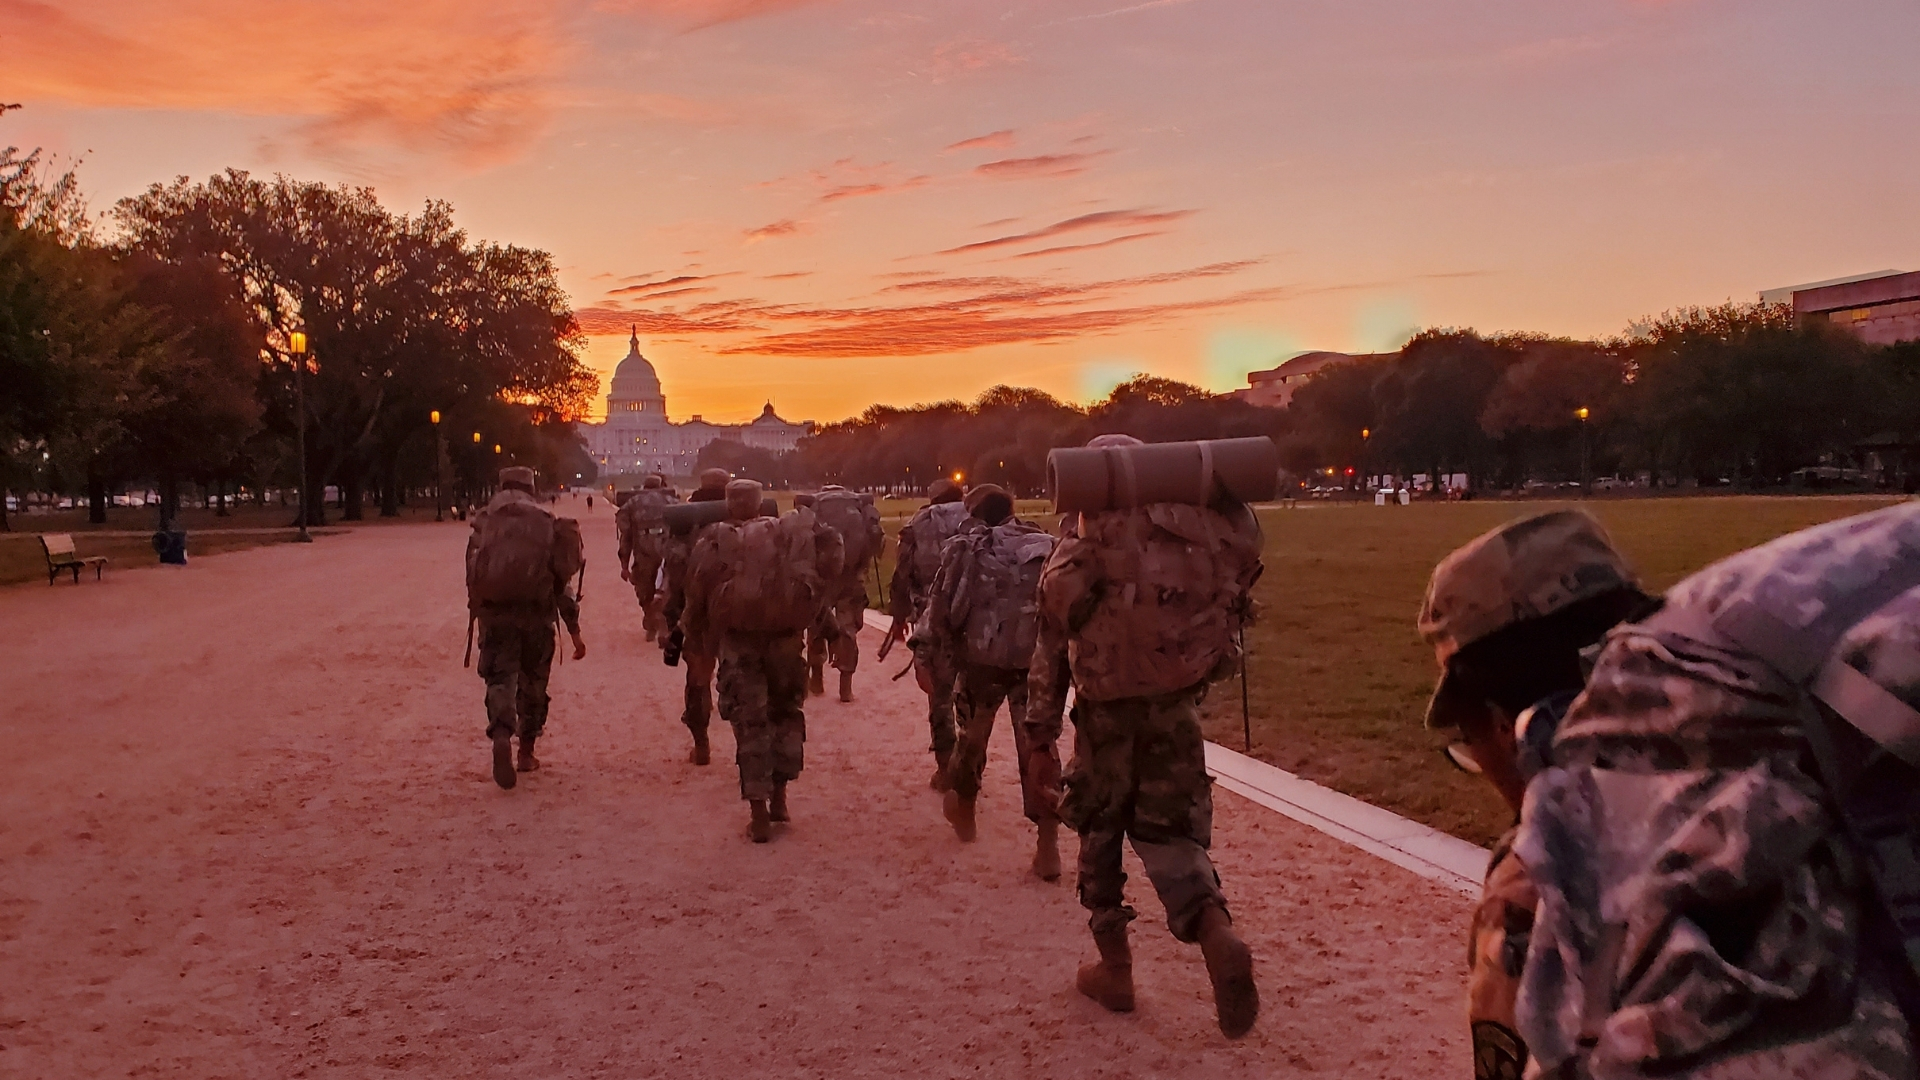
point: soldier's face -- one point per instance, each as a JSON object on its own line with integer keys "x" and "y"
{"x": 1486, "y": 738}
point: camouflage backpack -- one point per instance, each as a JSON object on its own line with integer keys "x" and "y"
{"x": 771, "y": 578}
{"x": 932, "y": 527}
{"x": 515, "y": 555}
{"x": 997, "y": 602}
{"x": 857, "y": 520}
{"x": 646, "y": 510}
{"x": 1153, "y": 598}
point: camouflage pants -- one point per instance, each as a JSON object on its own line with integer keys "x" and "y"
{"x": 1496, "y": 956}
{"x": 976, "y": 702}
{"x": 1139, "y": 773}
{"x": 938, "y": 672}
{"x": 836, "y": 631}
{"x": 763, "y": 689}
{"x": 516, "y": 656}
{"x": 699, "y": 706}
{"x": 648, "y": 552}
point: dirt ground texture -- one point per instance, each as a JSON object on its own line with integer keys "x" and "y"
{"x": 248, "y": 831}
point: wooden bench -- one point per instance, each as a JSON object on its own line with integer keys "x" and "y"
{"x": 61, "y": 556}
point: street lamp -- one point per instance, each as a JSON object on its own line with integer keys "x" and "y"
{"x": 1585, "y": 484}
{"x": 297, "y": 345}
{"x": 439, "y": 469}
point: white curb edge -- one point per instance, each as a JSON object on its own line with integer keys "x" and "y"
{"x": 1426, "y": 851}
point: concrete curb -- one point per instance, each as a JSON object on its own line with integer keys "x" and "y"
{"x": 1426, "y": 851}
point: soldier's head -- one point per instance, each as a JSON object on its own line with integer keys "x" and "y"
{"x": 1508, "y": 615}
{"x": 517, "y": 477}
{"x": 654, "y": 482}
{"x": 1102, "y": 442}
{"x": 715, "y": 479}
{"x": 804, "y": 499}
{"x": 990, "y": 503}
{"x": 944, "y": 490}
{"x": 743, "y": 500}
{"x": 621, "y": 498}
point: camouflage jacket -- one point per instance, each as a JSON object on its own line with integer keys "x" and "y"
{"x": 639, "y": 518}
{"x": 1496, "y": 956}
{"x": 917, "y": 559}
{"x": 981, "y": 607}
{"x": 1703, "y": 910}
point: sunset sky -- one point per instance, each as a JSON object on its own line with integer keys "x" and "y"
{"x": 828, "y": 203}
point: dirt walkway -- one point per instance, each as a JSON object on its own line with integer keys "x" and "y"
{"x": 248, "y": 831}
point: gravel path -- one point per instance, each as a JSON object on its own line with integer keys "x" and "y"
{"x": 248, "y": 831}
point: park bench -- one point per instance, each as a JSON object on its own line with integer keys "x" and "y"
{"x": 61, "y": 556}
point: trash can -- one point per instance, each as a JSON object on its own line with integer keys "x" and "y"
{"x": 171, "y": 546}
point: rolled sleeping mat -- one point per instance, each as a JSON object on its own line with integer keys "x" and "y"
{"x": 684, "y": 518}
{"x": 1195, "y": 473}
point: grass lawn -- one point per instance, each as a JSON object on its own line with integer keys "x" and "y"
{"x": 1338, "y": 676}
{"x": 22, "y": 560}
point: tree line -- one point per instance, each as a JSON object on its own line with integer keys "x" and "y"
{"x": 155, "y": 345}
{"x": 1738, "y": 393}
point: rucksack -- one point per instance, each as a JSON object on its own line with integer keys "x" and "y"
{"x": 646, "y": 509}
{"x": 932, "y": 527}
{"x": 770, "y": 577}
{"x": 513, "y": 556}
{"x": 854, "y": 516}
{"x": 1153, "y": 598}
{"x": 997, "y": 602}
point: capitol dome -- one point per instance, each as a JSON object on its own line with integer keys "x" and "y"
{"x": 635, "y": 379}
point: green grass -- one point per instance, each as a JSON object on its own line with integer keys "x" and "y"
{"x": 1339, "y": 678}
{"x": 22, "y": 560}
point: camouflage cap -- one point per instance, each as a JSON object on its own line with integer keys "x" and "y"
{"x": 989, "y": 502}
{"x": 743, "y": 498}
{"x": 517, "y": 474}
{"x": 944, "y": 490}
{"x": 1523, "y": 570}
{"x": 715, "y": 479}
{"x": 654, "y": 481}
{"x": 803, "y": 499}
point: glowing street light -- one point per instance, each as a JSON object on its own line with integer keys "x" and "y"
{"x": 1585, "y": 484}
{"x": 297, "y": 346}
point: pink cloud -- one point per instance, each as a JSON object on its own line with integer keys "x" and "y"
{"x": 993, "y": 140}
{"x": 1127, "y": 239}
{"x": 1043, "y": 165}
{"x": 1098, "y": 220}
{"x": 784, "y": 227}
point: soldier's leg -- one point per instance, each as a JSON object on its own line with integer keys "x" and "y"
{"x": 1172, "y": 829}
{"x": 500, "y": 667}
{"x": 849, "y": 615}
{"x": 1097, "y": 784}
{"x": 536, "y": 664}
{"x": 646, "y": 571}
{"x": 817, "y": 648}
{"x": 699, "y": 702}
{"x": 786, "y": 674}
{"x": 743, "y": 704}
{"x": 976, "y": 702}
{"x": 938, "y": 667}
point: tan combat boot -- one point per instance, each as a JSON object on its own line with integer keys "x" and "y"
{"x": 1230, "y": 967}
{"x": 959, "y": 811}
{"x": 760, "y": 827}
{"x": 527, "y": 762}
{"x": 846, "y": 686}
{"x": 817, "y": 682}
{"x": 1109, "y": 980}
{"x": 702, "y": 752}
{"x": 1046, "y": 852}
{"x": 503, "y": 761}
{"x": 777, "y": 808}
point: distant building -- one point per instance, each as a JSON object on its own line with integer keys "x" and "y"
{"x": 1274, "y": 388}
{"x": 637, "y": 437}
{"x": 1879, "y": 309}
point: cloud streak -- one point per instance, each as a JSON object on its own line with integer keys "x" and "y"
{"x": 1099, "y": 220}
{"x": 993, "y": 140}
{"x": 1044, "y": 165}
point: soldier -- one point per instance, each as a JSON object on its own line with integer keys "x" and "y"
{"x": 843, "y": 609}
{"x": 520, "y": 559}
{"x": 642, "y": 528}
{"x": 753, "y": 585}
{"x": 1726, "y": 834}
{"x": 697, "y": 654}
{"x": 916, "y": 563}
{"x": 1508, "y": 615}
{"x": 1138, "y": 612}
{"x": 983, "y": 611}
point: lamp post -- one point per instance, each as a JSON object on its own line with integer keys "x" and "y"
{"x": 1585, "y": 485}
{"x": 297, "y": 345}
{"x": 1366, "y": 439}
{"x": 439, "y": 470}
{"x": 475, "y": 458}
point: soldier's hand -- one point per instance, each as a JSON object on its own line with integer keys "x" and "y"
{"x": 579, "y": 647}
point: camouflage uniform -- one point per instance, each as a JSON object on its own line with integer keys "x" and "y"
{"x": 926, "y": 530}
{"x": 843, "y": 608}
{"x": 1704, "y": 909}
{"x": 1521, "y": 572}
{"x": 643, "y": 542}
{"x": 1139, "y": 768}
{"x": 762, "y": 673}
{"x": 698, "y": 655}
{"x": 516, "y": 652}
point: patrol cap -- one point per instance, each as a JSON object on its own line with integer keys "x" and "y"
{"x": 743, "y": 498}
{"x": 943, "y": 490}
{"x": 654, "y": 481}
{"x": 1524, "y": 570}
{"x": 517, "y": 474}
{"x": 989, "y": 502}
{"x": 715, "y": 479}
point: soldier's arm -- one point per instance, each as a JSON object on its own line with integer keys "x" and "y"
{"x": 1048, "y": 679}
{"x": 569, "y": 611}
{"x": 900, "y": 590}
{"x": 830, "y": 552}
{"x": 622, "y": 529}
{"x": 693, "y": 615}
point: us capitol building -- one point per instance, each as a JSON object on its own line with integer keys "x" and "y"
{"x": 637, "y": 437}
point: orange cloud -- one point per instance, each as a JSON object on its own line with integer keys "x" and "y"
{"x": 699, "y": 14}
{"x": 1128, "y": 238}
{"x": 994, "y": 140}
{"x": 1099, "y": 220}
{"x": 785, "y": 227}
{"x": 469, "y": 78}
{"x": 1043, "y": 165}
